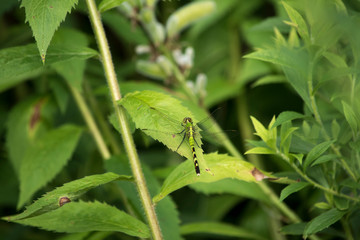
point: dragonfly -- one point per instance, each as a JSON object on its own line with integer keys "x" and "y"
{"x": 185, "y": 132}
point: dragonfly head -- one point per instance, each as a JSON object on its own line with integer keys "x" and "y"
{"x": 187, "y": 120}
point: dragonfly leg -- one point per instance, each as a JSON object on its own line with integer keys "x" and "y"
{"x": 181, "y": 142}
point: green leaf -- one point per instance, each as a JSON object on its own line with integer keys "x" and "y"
{"x": 166, "y": 210}
{"x": 18, "y": 64}
{"x": 292, "y": 188}
{"x": 298, "y": 20}
{"x": 316, "y": 152}
{"x": 260, "y": 150}
{"x": 324, "y": 159}
{"x": 286, "y": 116}
{"x": 260, "y": 130}
{"x": 231, "y": 186}
{"x": 269, "y": 79}
{"x": 24, "y": 124}
{"x": 160, "y": 116}
{"x": 350, "y": 116}
{"x": 44, "y": 17}
{"x": 187, "y": 15}
{"x": 88, "y": 216}
{"x": 222, "y": 166}
{"x": 323, "y": 221}
{"x": 109, "y": 4}
{"x": 45, "y": 158}
{"x": 72, "y": 190}
{"x": 218, "y": 228}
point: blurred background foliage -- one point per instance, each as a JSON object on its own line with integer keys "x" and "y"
{"x": 220, "y": 41}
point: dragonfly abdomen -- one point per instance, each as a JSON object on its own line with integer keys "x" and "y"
{"x": 192, "y": 145}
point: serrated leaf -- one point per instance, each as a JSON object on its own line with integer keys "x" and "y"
{"x": 292, "y": 188}
{"x": 219, "y": 228}
{"x": 316, "y": 152}
{"x": 72, "y": 190}
{"x": 323, "y": 221}
{"x": 166, "y": 210}
{"x": 222, "y": 166}
{"x": 45, "y": 158}
{"x": 160, "y": 116}
{"x": 286, "y": 116}
{"x": 298, "y": 20}
{"x": 350, "y": 116}
{"x": 44, "y": 17}
{"x": 109, "y": 4}
{"x": 260, "y": 150}
{"x": 18, "y": 64}
{"x": 88, "y": 216}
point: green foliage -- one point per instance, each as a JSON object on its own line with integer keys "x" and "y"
{"x": 291, "y": 68}
{"x": 79, "y": 217}
{"x": 44, "y": 18}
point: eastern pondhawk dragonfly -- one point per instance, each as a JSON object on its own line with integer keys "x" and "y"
{"x": 187, "y": 132}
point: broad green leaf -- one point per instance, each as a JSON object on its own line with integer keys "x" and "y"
{"x": 260, "y": 150}
{"x": 44, "y": 17}
{"x": 292, "y": 188}
{"x": 88, "y": 216}
{"x": 323, "y": 221}
{"x": 72, "y": 190}
{"x": 18, "y": 64}
{"x": 45, "y": 158}
{"x": 187, "y": 15}
{"x": 316, "y": 152}
{"x": 166, "y": 210}
{"x": 286, "y": 116}
{"x": 231, "y": 186}
{"x": 109, "y": 4}
{"x": 350, "y": 116}
{"x": 218, "y": 228}
{"x": 222, "y": 166}
{"x": 298, "y": 20}
{"x": 26, "y": 121}
{"x": 160, "y": 116}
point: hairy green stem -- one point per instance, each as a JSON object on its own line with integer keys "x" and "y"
{"x": 122, "y": 120}
{"x": 90, "y": 122}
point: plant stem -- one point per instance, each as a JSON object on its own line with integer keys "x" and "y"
{"x": 122, "y": 120}
{"x": 103, "y": 125}
{"x": 103, "y": 149}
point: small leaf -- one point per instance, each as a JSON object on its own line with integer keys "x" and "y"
{"x": 109, "y": 4}
{"x": 322, "y": 205}
{"x": 218, "y": 228}
{"x": 294, "y": 229}
{"x": 261, "y": 131}
{"x": 286, "y": 116}
{"x": 45, "y": 159}
{"x": 324, "y": 159}
{"x": 298, "y": 20}
{"x": 260, "y": 150}
{"x": 88, "y": 216}
{"x": 187, "y": 15}
{"x": 150, "y": 69}
{"x": 222, "y": 166}
{"x": 72, "y": 190}
{"x": 292, "y": 188}
{"x": 44, "y": 17}
{"x": 316, "y": 152}
{"x": 350, "y": 116}
{"x": 323, "y": 221}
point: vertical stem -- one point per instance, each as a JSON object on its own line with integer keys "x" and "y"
{"x": 122, "y": 120}
{"x": 104, "y": 151}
